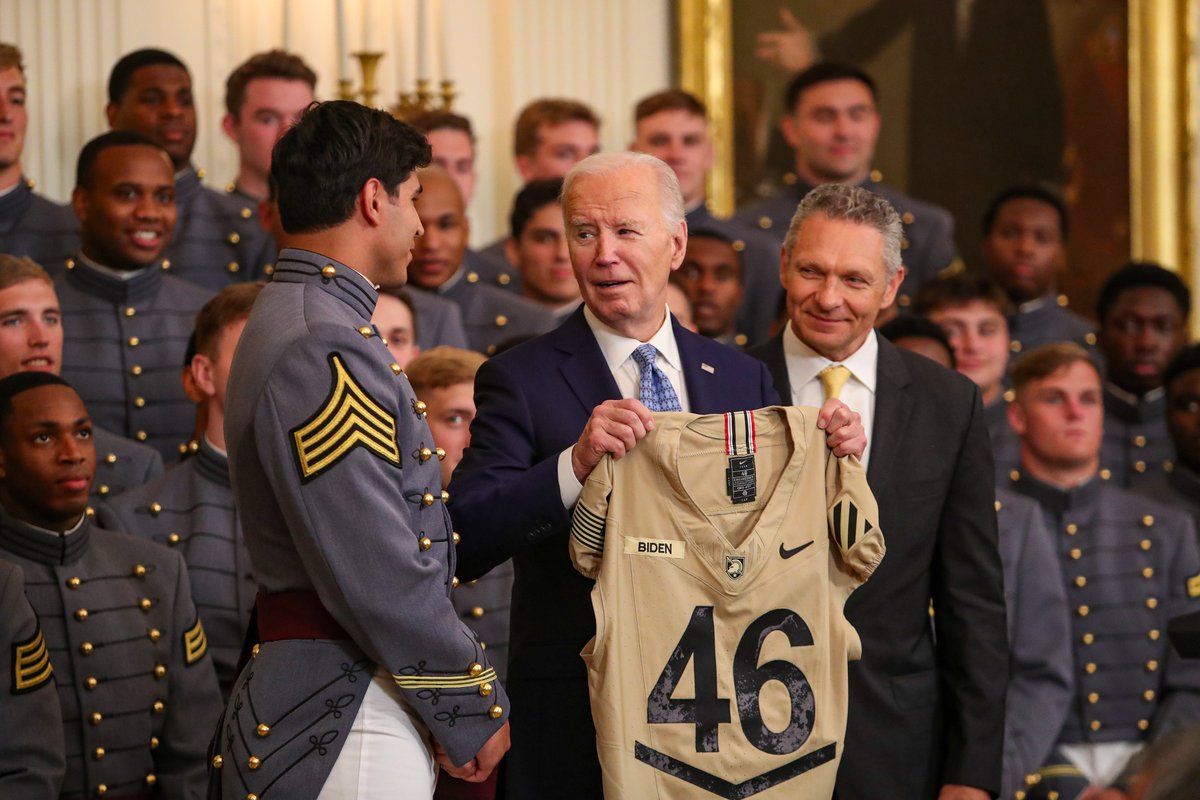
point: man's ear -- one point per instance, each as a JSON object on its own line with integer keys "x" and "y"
{"x": 371, "y": 199}
{"x": 525, "y": 167}
{"x": 110, "y": 113}
{"x": 230, "y": 126}
{"x": 1016, "y": 418}
{"x": 79, "y": 203}
{"x": 202, "y": 374}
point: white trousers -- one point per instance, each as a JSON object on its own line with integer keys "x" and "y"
{"x": 388, "y": 752}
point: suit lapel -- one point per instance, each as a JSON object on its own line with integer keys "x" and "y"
{"x": 584, "y": 368}
{"x": 771, "y": 354}
{"x": 893, "y": 404}
{"x": 703, "y": 385}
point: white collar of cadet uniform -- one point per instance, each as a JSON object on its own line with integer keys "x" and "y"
{"x": 804, "y": 363}
{"x": 1132, "y": 399}
{"x": 215, "y": 449}
{"x": 123, "y": 275}
{"x": 1036, "y": 303}
{"x": 452, "y": 281}
{"x": 73, "y": 529}
{"x": 617, "y": 348}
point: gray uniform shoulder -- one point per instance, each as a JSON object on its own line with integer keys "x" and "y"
{"x": 217, "y": 239}
{"x": 121, "y": 464}
{"x": 492, "y": 316}
{"x": 439, "y": 321}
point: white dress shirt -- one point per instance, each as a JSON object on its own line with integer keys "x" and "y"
{"x": 804, "y": 364}
{"x": 617, "y": 350}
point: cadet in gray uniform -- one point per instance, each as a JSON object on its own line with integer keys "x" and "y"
{"x": 31, "y": 339}
{"x": 832, "y": 124}
{"x": 672, "y": 125}
{"x": 31, "y": 761}
{"x": 191, "y": 508}
{"x": 1024, "y": 251}
{"x": 337, "y": 484}
{"x": 30, "y": 225}
{"x": 537, "y": 246}
{"x": 490, "y": 315}
{"x": 974, "y": 313}
{"x": 1128, "y": 563}
{"x": 1041, "y": 685}
{"x": 1143, "y": 311}
{"x": 217, "y": 240}
{"x": 1180, "y": 486}
{"x": 126, "y": 320}
{"x": 136, "y": 685}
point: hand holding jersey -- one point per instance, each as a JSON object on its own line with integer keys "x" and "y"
{"x": 716, "y": 567}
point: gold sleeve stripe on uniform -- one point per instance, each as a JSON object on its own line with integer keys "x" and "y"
{"x": 445, "y": 681}
{"x": 587, "y": 528}
{"x": 31, "y": 663}
{"x": 348, "y": 418}
{"x": 195, "y": 643}
{"x": 1193, "y": 586}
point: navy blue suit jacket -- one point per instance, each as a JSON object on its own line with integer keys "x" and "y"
{"x": 532, "y": 403}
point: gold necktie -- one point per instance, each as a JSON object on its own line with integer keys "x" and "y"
{"x": 833, "y": 378}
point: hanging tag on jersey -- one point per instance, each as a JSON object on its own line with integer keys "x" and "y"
{"x": 741, "y": 478}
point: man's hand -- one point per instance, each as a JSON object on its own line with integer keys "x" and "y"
{"x": 614, "y": 427}
{"x": 954, "y": 792}
{"x": 789, "y": 50}
{"x": 480, "y": 767}
{"x": 844, "y": 432}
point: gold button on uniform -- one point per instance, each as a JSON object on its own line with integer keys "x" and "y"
{"x": 1080, "y": 581}
{"x": 139, "y": 402}
{"x": 263, "y": 729}
{"x": 1083, "y": 611}
{"x": 247, "y": 213}
{"x": 1014, "y": 475}
{"x": 1014, "y": 346}
{"x": 445, "y": 496}
{"x": 90, "y": 682}
{"x": 1072, "y": 529}
{"x": 427, "y": 499}
{"x": 1148, "y": 695}
{"x": 172, "y": 538}
{"x": 97, "y": 717}
{"x": 1093, "y": 698}
{"x": 81, "y": 614}
{"x": 1105, "y": 474}
{"x": 475, "y": 670}
{"x": 151, "y": 779}
{"x": 1151, "y": 602}
{"x": 1148, "y": 520}
{"x": 135, "y": 370}
{"x": 155, "y": 509}
{"x": 1143, "y": 724}
{"x": 141, "y": 436}
{"x": 454, "y": 537}
{"x": 1139, "y": 466}
{"x": 145, "y": 603}
{"x": 158, "y": 707}
{"x": 495, "y": 712}
{"x": 153, "y": 742}
{"x": 254, "y": 762}
{"x": 134, "y": 341}
{"x": 454, "y": 582}
{"x": 234, "y": 237}
{"x": 1148, "y": 572}
{"x": 111, "y": 458}
{"x": 139, "y": 571}
{"x": 130, "y": 311}
{"x": 501, "y": 320}
{"x": 233, "y": 266}
{"x": 1139, "y": 441}
{"x": 424, "y": 454}
{"x": 104, "y": 489}
{"x": 98, "y": 753}
{"x": 160, "y": 671}
{"x": 74, "y": 583}
{"x": 1145, "y": 544}
{"x": 165, "y": 263}
{"x": 395, "y": 368}
{"x": 486, "y": 689}
{"x": 102, "y": 788}
{"x": 1089, "y": 638}
{"x": 472, "y": 277}
{"x": 477, "y": 612}
{"x": 425, "y": 542}
{"x": 1090, "y": 338}
{"x": 217, "y": 761}
{"x": 155, "y": 634}
{"x": 907, "y": 218}
{"x": 366, "y": 332}
{"x": 1095, "y": 725}
{"x": 1153, "y": 634}
{"x": 1076, "y": 554}
{"x": 765, "y": 223}
{"x": 441, "y": 454}
{"x": 328, "y": 271}
{"x": 503, "y": 279}
{"x": 1152, "y": 666}
{"x": 419, "y": 408}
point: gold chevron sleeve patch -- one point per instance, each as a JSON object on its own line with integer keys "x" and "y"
{"x": 349, "y": 418}
{"x": 31, "y": 663}
{"x": 195, "y": 643}
{"x": 466, "y": 681}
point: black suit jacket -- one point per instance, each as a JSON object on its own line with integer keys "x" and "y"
{"x": 923, "y": 714}
{"x": 532, "y": 403}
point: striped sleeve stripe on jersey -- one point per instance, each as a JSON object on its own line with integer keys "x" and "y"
{"x": 587, "y": 528}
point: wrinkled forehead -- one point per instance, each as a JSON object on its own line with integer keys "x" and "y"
{"x": 625, "y": 193}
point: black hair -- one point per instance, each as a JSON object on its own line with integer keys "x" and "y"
{"x": 1187, "y": 360}
{"x": 1135, "y": 275}
{"x": 737, "y": 245}
{"x": 824, "y": 72}
{"x": 19, "y": 383}
{"x": 321, "y": 164}
{"x": 85, "y": 166}
{"x": 532, "y": 198}
{"x": 909, "y": 326}
{"x": 122, "y": 71}
{"x": 1030, "y": 191}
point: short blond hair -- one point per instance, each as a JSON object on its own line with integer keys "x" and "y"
{"x": 443, "y": 366}
{"x": 11, "y": 56}
{"x": 1042, "y": 362}
{"x": 18, "y": 269}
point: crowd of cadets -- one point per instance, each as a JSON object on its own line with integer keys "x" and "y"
{"x": 120, "y": 314}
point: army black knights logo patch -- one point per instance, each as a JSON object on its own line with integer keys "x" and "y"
{"x": 735, "y": 566}
{"x": 31, "y": 663}
{"x": 349, "y": 418}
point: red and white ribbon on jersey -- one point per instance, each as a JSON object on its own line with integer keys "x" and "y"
{"x": 740, "y": 436}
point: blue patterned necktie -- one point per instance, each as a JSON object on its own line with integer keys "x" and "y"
{"x": 656, "y": 391}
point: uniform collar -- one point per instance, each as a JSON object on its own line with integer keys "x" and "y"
{"x": 329, "y": 275}
{"x": 1128, "y": 406}
{"x": 187, "y": 184}
{"x": 617, "y": 348}
{"x": 212, "y": 463}
{"x": 102, "y": 282}
{"x": 14, "y": 203}
{"x": 43, "y": 546}
{"x": 1059, "y": 500}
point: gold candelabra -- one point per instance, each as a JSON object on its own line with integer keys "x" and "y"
{"x": 424, "y": 98}
{"x": 368, "y": 64}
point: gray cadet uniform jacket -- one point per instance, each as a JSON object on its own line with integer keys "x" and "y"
{"x": 491, "y": 316}
{"x": 1048, "y": 320}
{"x": 490, "y": 265}
{"x": 1040, "y": 685}
{"x": 190, "y": 509}
{"x": 217, "y": 239}
{"x": 121, "y": 464}
{"x": 438, "y": 320}
{"x": 1006, "y": 445}
{"x": 759, "y": 254}
{"x": 1179, "y": 488}
{"x": 334, "y": 472}
{"x": 485, "y": 604}
{"x": 31, "y": 225}
{"x": 137, "y": 688}
{"x": 1129, "y": 564}
{"x": 31, "y": 728}
{"x": 1136, "y": 444}
{"x": 928, "y": 243}
{"x": 123, "y": 349}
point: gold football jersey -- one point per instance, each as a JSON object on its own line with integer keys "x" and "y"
{"x": 724, "y": 548}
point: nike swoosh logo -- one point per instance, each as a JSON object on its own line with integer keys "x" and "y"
{"x": 785, "y": 553}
